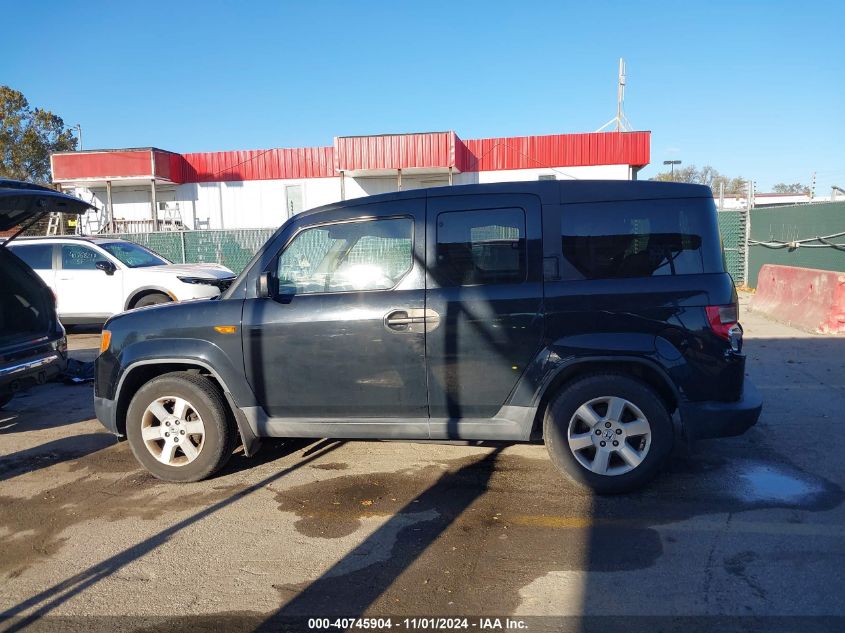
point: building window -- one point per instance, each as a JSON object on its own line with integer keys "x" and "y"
{"x": 348, "y": 256}
{"x": 480, "y": 247}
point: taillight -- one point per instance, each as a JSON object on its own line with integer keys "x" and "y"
{"x": 724, "y": 321}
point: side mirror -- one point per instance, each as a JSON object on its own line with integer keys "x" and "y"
{"x": 106, "y": 266}
{"x": 263, "y": 287}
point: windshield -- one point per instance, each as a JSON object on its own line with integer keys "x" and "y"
{"x": 134, "y": 255}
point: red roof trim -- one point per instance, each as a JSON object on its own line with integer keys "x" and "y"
{"x": 349, "y": 153}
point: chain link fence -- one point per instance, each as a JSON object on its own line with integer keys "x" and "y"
{"x": 235, "y": 248}
{"x": 732, "y": 229}
{"x": 232, "y": 248}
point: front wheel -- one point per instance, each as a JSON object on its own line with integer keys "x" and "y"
{"x": 178, "y": 428}
{"x": 610, "y": 433}
{"x": 152, "y": 299}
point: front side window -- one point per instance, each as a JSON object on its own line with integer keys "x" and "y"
{"x": 76, "y": 257}
{"x": 480, "y": 247}
{"x": 37, "y": 256}
{"x": 133, "y": 255}
{"x": 632, "y": 239}
{"x": 347, "y": 256}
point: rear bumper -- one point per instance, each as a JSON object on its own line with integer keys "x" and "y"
{"x": 22, "y": 373}
{"x": 106, "y": 412}
{"x": 703, "y": 420}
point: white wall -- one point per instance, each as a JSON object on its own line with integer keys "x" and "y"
{"x": 263, "y": 203}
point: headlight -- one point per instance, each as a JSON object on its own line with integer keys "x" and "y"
{"x": 207, "y": 281}
{"x": 220, "y": 284}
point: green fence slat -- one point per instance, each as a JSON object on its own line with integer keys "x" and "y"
{"x": 235, "y": 248}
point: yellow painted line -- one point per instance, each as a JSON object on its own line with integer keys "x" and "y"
{"x": 557, "y": 522}
{"x": 733, "y": 527}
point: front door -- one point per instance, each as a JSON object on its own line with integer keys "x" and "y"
{"x": 82, "y": 290}
{"x": 342, "y": 338}
{"x": 485, "y": 283}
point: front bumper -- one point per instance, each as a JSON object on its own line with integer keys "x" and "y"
{"x": 704, "y": 420}
{"x": 106, "y": 412}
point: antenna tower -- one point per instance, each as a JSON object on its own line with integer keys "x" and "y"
{"x": 621, "y": 121}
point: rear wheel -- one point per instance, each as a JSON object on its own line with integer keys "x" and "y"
{"x": 152, "y": 299}
{"x": 611, "y": 433}
{"x": 178, "y": 428}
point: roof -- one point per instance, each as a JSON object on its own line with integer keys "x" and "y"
{"x": 357, "y": 155}
{"x": 549, "y": 191}
{"x": 94, "y": 239}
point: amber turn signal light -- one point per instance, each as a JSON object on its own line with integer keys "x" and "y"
{"x": 226, "y": 329}
{"x": 105, "y": 341}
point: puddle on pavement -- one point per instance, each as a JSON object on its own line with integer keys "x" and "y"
{"x": 762, "y": 482}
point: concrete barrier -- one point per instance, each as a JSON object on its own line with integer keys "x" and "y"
{"x": 806, "y": 298}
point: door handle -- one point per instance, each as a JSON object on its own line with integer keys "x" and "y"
{"x": 411, "y": 320}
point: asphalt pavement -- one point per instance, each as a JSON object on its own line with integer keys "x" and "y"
{"x": 744, "y": 532}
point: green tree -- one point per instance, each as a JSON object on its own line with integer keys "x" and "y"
{"x": 795, "y": 187}
{"x": 27, "y": 138}
{"x": 707, "y": 175}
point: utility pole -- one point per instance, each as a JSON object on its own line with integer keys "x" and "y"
{"x": 813, "y": 187}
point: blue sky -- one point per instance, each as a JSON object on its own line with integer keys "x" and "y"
{"x": 755, "y": 89}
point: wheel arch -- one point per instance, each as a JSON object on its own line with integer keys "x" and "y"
{"x": 143, "y": 291}
{"x": 141, "y": 372}
{"x": 639, "y": 368}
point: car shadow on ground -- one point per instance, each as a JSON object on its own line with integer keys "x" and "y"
{"x": 53, "y": 452}
{"x": 46, "y": 407}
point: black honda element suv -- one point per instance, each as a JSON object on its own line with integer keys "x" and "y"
{"x": 594, "y": 316}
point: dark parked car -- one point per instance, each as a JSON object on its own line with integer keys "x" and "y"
{"x": 33, "y": 347}
{"x": 580, "y": 314}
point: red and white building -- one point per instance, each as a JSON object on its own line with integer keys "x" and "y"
{"x": 140, "y": 188}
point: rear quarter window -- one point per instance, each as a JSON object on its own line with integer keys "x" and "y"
{"x": 37, "y": 256}
{"x": 642, "y": 238}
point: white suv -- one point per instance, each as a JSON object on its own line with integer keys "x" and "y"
{"x": 94, "y": 278}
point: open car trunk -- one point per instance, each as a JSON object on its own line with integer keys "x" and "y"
{"x": 26, "y": 303}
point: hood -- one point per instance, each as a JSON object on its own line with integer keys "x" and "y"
{"x": 210, "y": 271}
{"x": 24, "y": 201}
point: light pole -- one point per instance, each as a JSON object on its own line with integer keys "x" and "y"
{"x": 78, "y": 129}
{"x": 672, "y": 163}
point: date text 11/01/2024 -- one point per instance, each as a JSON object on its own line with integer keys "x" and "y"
{"x": 416, "y": 624}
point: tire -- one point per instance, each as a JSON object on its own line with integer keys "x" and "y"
{"x": 586, "y": 413}
{"x": 154, "y": 408}
{"x": 152, "y": 299}
{"x": 5, "y": 398}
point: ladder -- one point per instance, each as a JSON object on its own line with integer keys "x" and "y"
{"x": 53, "y": 223}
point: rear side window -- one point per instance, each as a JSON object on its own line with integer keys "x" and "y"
{"x": 37, "y": 256}
{"x": 480, "y": 247}
{"x": 643, "y": 238}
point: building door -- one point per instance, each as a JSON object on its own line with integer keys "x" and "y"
{"x": 293, "y": 197}
{"x": 484, "y": 265}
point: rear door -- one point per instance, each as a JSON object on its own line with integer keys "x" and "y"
{"x": 39, "y": 257}
{"x": 484, "y": 267}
